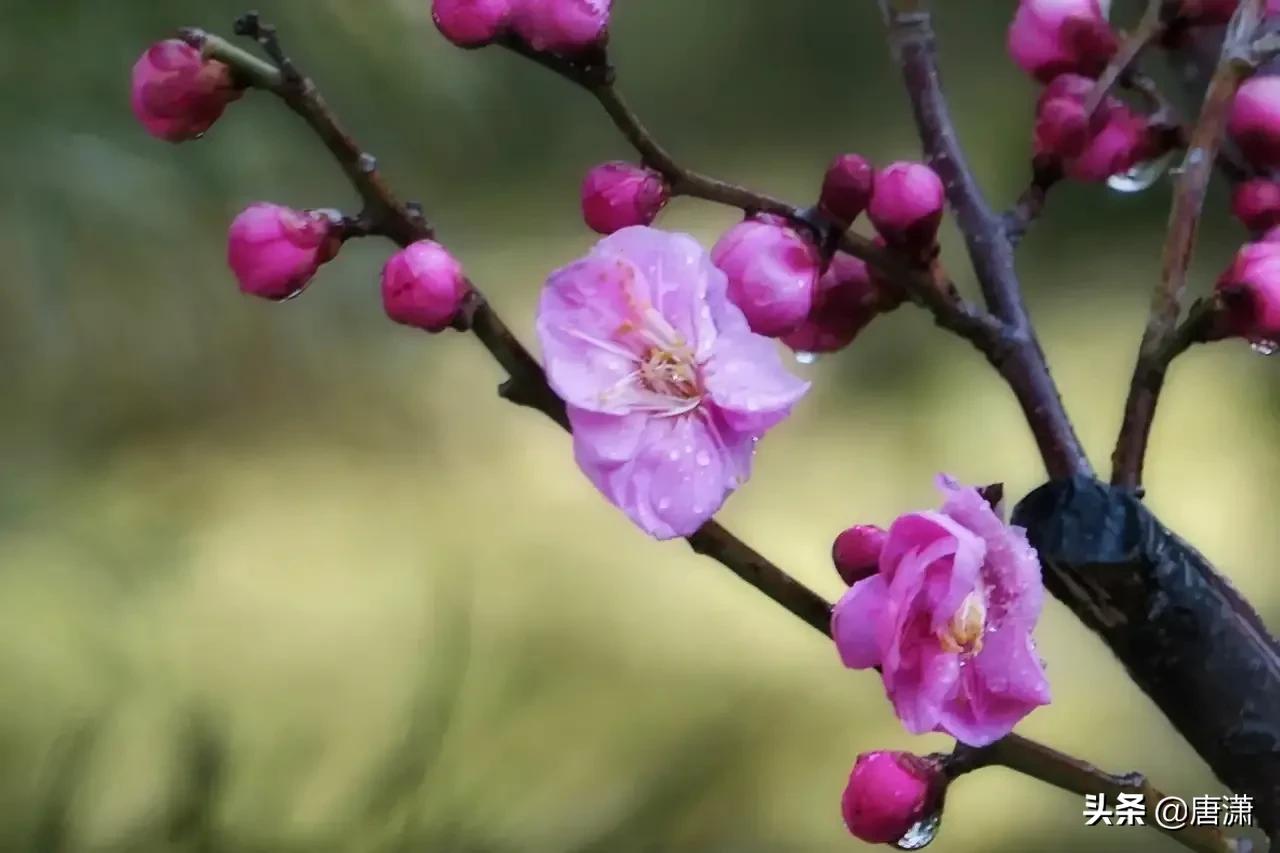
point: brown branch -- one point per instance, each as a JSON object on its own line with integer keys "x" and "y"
{"x": 1238, "y": 60}
{"x": 528, "y": 386}
{"x": 1150, "y": 29}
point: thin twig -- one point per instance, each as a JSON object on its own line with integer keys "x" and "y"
{"x": 1149, "y": 30}
{"x": 1237, "y": 62}
{"x": 528, "y": 386}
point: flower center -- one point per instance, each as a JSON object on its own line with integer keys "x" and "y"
{"x": 670, "y": 372}
{"x": 964, "y": 633}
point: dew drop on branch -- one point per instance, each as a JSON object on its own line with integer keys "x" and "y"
{"x": 1142, "y": 176}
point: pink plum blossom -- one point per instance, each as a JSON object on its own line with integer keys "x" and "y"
{"x": 562, "y": 26}
{"x": 1256, "y": 203}
{"x": 846, "y": 299}
{"x": 1254, "y": 122}
{"x": 618, "y": 195}
{"x": 1250, "y": 290}
{"x": 177, "y": 94}
{"x": 1091, "y": 147}
{"x": 423, "y": 286}
{"x": 856, "y": 552}
{"x": 274, "y": 251}
{"x": 949, "y": 619}
{"x": 1052, "y": 37}
{"x": 471, "y": 23}
{"x": 847, "y": 186}
{"x": 667, "y": 388}
{"x": 888, "y": 793}
{"x": 907, "y": 204}
{"x": 772, "y": 270}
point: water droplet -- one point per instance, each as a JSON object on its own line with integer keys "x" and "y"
{"x": 753, "y": 405}
{"x": 674, "y": 455}
{"x": 1142, "y": 176}
{"x": 664, "y": 504}
{"x": 1265, "y": 347}
{"x": 920, "y": 834}
{"x": 697, "y": 509}
{"x": 704, "y": 458}
{"x": 807, "y": 357}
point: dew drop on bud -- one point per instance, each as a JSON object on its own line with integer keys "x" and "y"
{"x": 807, "y": 357}
{"x": 1265, "y": 347}
{"x": 1141, "y": 176}
{"x": 921, "y": 834}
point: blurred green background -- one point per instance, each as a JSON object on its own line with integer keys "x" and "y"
{"x": 290, "y": 578}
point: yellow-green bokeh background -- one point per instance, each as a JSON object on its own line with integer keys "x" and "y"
{"x": 289, "y": 578}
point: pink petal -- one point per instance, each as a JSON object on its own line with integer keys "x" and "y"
{"x": 856, "y": 621}
{"x": 1002, "y": 684}
{"x": 747, "y": 382}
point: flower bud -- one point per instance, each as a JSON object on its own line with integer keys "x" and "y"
{"x": 1091, "y": 148}
{"x": 889, "y": 793}
{"x": 471, "y": 23}
{"x": 562, "y": 26}
{"x": 176, "y": 93}
{"x": 423, "y": 286}
{"x": 846, "y": 299}
{"x": 1052, "y": 37}
{"x": 846, "y": 189}
{"x": 274, "y": 251}
{"x": 856, "y": 552}
{"x": 772, "y": 271}
{"x": 618, "y": 195}
{"x": 1250, "y": 293}
{"x": 906, "y": 207}
{"x": 1256, "y": 203}
{"x": 1254, "y": 123}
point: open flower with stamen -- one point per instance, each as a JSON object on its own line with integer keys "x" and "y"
{"x": 948, "y": 619}
{"x": 668, "y": 390}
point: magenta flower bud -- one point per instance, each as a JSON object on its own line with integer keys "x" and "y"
{"x": 1090, "y": 148}
{"x": 847, "y": 187}
{"x": 1256, "y": 203}
{"x": 906, "y": 207}
{"x": 423, "y": 286}
{"x": 274, "y": 251}
{"x": 177, "y": 94}
{"x": 846, "y": 299}
{"x": 1052, "y": 37}
{"x": 619, "y": 195}
{"x": 562, "y": 26}
{"x": 856, "y": 552}
{"x": 772, "y": 271}
{"x": 1250, "y": 291}
{"x": 471, "y": 23}
{"x": 1254, "y": 123}
{"x": 889, "y": 793}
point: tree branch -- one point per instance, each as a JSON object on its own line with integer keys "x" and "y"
{"x": 1236, "y": 63}
{"x": 528, "y": 386}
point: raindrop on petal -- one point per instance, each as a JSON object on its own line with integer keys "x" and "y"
{"x": 807, "y": 357}
{"x": 704, "y": 458}
{"x": 920, "y": 834}
{"x": 1265, "y": 347}
{"x": 1141, "y": 176}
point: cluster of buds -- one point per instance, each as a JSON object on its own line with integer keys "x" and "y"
{"x": 566, "y": 27}
{"x": 817, "y": 302}
{"x": 1066, "y": 44}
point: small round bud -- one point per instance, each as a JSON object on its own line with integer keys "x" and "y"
{"x": 562, "y": 26}
{"x": 889, "y": 793}
{"x": 847, "y": 187}
{"x": 1254, "y": 123}
{"x": 1052, "y": 37}
{"x": 423, "y": 286}
{"x": 176, "y": 93}
{"x": 1250, "y": 292}
{"x": 471, "y": 23}
{"x": 856, "y": 552}
{"x": 274, "y": 251}
{"x": 846, "y": 299}
{"x": 619, "y": 195}
{"x": 906, "y": 207}
{"x": 772, "y": 271}
{"x": 1256, "y": 203}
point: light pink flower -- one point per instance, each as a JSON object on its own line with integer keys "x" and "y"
{"x": 562, "y": 26}
{"x": 274, "y": 251}
{"x": 888, "y": 793}
{"x": 949, "y": 619}
{"x": 177, "y": 94}
{"x": 618, "y": 195}
{"x": 773, "y": 271}
{"x": 667, "y": 388}
{"x": 423, "y": 286}
{"x": 1052, "y": 37}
